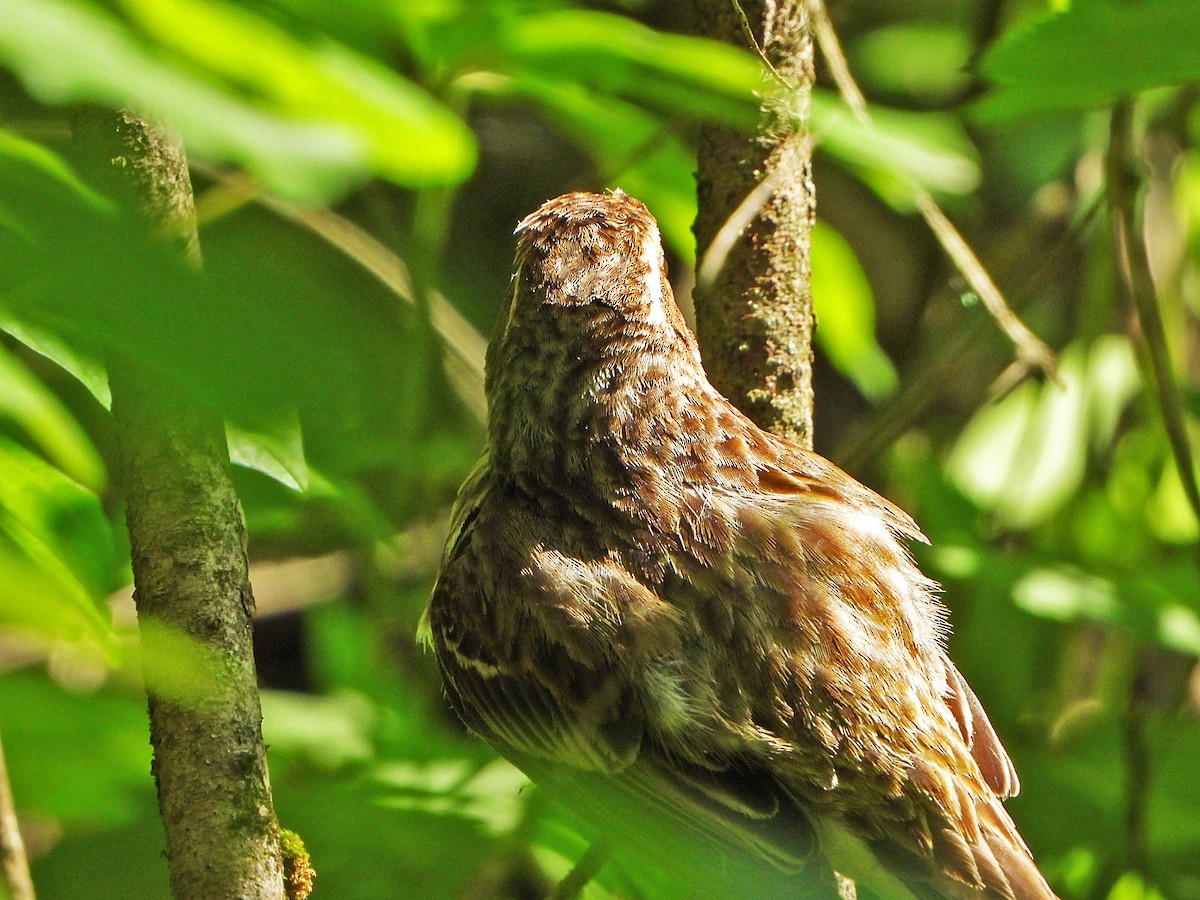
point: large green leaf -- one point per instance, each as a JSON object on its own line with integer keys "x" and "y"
{"x": 897, "y": 150}
{"x": 1090, "y": 54}
{"x": 845, "y": 309}
{"x": 922, "y": 59}
{"x": 45, "y": 421}
{"x": 278, "y": 322}
{"x": 618, "y": 56}
{"x": 1024, "y": 456}
{"x": 56, "y": 551}
{"x": 309, "y": 120}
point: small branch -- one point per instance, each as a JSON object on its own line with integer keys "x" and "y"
{"x": 739, "y": 220}
{"x": 586, "y": 868}
{"x": 839, "y": 68}
{"x": 748, "y": 32}
{"x": 1122, "y": 188}
{"x": 13, "y": 862}
{"x": 1032, "y": 352}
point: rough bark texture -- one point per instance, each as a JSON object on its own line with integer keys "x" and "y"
{"x": 755, "y": 321}
{"x": 190, "y": 569}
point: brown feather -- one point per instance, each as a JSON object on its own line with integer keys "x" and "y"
{"x": 643, "y": 590}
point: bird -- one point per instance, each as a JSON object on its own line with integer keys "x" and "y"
{"x": 645, "y": 591}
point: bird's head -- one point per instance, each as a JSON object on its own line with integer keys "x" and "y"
{"x": 588, "y": 260}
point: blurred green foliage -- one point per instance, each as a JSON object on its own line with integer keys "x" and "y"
{"x": 389, "y": 149}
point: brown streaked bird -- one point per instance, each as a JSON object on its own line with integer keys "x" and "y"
{"x": 643, "y": 586}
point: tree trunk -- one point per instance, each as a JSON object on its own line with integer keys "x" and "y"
{"x": 190, "y": 570}
{"x": 754, "y": 319}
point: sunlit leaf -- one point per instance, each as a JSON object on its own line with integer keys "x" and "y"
{"x": 491, "y": 795}
{"x": 1092, "y": 53}
{"x": 278, "y": 453}
{"x": 1067, "y": 595}
{"x": 409, "y": 137}
{"x": 55, "y": 550}
{"x": 1025, "y": 455}
{"x": 46, "y": 421}
{"x": 897, "y": 149}
{"x": 76, "y": 52}
{"x": 701, "y": 78}
{"x": 925, "y": 60}
{"x": 1169, "y": 514}
{"x": 327, "y": 731}
{"x": 845, "y": 309}
{"x": 1133, "y": 886}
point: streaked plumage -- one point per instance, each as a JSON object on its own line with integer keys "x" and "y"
{"x": 642, "y": 583}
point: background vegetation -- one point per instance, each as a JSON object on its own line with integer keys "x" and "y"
{"x": 359, "y": 167}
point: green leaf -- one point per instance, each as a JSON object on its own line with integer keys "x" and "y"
{"x": 42, "y": 417}
{"x": 85, "y": 367}
{"x": 845, "y": 309}
{"x": 95, "y": 745}
{"x": 370, "y": 121}
{"x": 330, "y": 732}
{"x": 897, "y": 149}
{"x": 615, "y": 55}
{"x": 1066, "y": 595}
{"x": 32, "y": 169}
{"x": 410, "y": 138}
{"x": 278, "y": 320}
{"x": 277, "y": 453}
{"x": 491, "y": 795}
{"x": 922, "y": 59}
{"x": 1091, "y": 54}
{"x": 1025, "y": 455}
{"x": 55, "y": 551}
{"x": 1169, "y": 513}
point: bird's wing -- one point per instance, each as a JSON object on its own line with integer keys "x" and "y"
{"x": 559, "y": 711}
{"x": 945, "y": 765}
{"x": 810, "y": 473}
{"x": 994, "y": 763}
{"x": 731, "y": 827}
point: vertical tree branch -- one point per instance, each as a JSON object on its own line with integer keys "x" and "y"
{"x": 754, "y": 312}
{"x": 190, "y": 570}
{"x": 13, "y": 862}
{"x": 1121, "y": 187}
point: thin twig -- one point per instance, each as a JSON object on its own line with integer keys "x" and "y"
{"x": 1122, "y": 188}
{"x": 1032, "y": 352}
{"x": 727, "y": 236}
{"x": 13, "y": 862}
{"x": 585, "y": 869}
{"x": 921, "y": 385}
{"x": 749, "y": 32}
{"x": 839, "y": 68}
